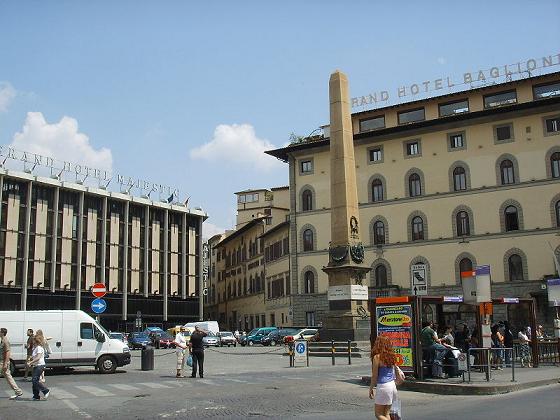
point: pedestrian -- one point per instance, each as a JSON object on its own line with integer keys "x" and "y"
{"x": 29, "y": 348}
{"x": 197, "y": 351}
{"x": 181, "y": 347}
{"x": 497, "y": 346}
{"x": 236, "y": 335}
{"x": 5, "y": 355}
{"x": 508, "y": 343}
{"x": 524, "y": 349}
{"x": 384, "y": 372}
{"x": 539, "y": 332}
{"x": 38, "y": 363}
{"x": 448, "y": 336}
{"x": 45, "y": 344}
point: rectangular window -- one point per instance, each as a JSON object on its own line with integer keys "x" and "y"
{"x": 310, "y": 318}
{"x": 503, "y": 133}
{"x": 552, "y": 125}
{"x": 457, "y": 141}
{"x": 453, "y": 108}
{"x": 372, "y": 124}
{"x": 375, "y": 155}
{"x": 412, "y": 148}
{"x": 500, "y": 99}
{"x": 407, "y": 117}
{"x": 546, "y": 91}
{"x": 306, "y": 166}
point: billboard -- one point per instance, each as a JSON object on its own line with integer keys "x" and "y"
{"x": 395, "y": 322}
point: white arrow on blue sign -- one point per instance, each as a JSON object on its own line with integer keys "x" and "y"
{"x": 98, "y": 305}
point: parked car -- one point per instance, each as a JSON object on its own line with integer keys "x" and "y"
{"x": 166, "y": 340}
{"x": 277, "y": 336}
{"x": 310, "y": 334}
{"x": 119, "y": 336}
{"x": 256, "y": 335}
{"x": 211, "y": 340}
{"x": 227, "y": 339}
{"x": 138, "y": 340}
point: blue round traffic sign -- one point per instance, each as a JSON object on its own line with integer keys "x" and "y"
{"x": 300, "y": 348}
{"x": 98, "y": 305}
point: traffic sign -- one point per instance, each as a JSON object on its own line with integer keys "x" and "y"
{"x": 300, "y": 353}
{"x": 98, "y": 290}
{"x": 98, "y": 306}
{"x": 418, "y": 283}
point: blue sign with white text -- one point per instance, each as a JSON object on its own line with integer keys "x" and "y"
{"x": 98, "y": 305}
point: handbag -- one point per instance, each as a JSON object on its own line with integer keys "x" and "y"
{"x": 189, "y": 360}
{"x": 395, "y": 413}
{"x": 399, "y": 376}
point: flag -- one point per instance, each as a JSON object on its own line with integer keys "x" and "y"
{"x": 187, "y": 201}
{"x": 170, "y": 198}
{"x": 555, "y": 258}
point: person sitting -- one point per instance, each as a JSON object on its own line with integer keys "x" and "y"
{"x": 433, "y": 349}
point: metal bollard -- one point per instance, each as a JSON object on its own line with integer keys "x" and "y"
{"x": 349, "y": 352}
{"x": 291, "y": 354}
{"x": 332, "y": 352}
{"x": 147, "y": 361}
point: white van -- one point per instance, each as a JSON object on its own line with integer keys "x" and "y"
{"x": 77, "y": 339}
{"x": 205, "y": 325}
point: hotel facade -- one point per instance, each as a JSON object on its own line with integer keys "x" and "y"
{"x": 58, "y": 238}
{"x": 444, "y": 184}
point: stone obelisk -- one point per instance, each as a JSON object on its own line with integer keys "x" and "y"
{"x": 346, "y": 253}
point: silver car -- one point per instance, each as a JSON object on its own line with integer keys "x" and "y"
{"x": 211, "y": 340}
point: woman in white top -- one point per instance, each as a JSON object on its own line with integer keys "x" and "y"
{"x": 38, "y": 363}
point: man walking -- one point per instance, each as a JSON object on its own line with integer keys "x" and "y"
{"x": 197, "y": 351}
{"x": 29, "y": 347}
{"x": 5, "y": 355}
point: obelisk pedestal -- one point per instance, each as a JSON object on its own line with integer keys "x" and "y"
{"x": 346, "y": 253}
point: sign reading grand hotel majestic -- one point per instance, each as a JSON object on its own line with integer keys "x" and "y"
{"x": 83, "y": 172}
{"x": 471, "y": 79}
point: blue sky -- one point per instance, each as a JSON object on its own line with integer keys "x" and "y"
{"x": 189, "y": 93}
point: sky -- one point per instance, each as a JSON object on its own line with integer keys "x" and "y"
{"x": 190, "y": 93}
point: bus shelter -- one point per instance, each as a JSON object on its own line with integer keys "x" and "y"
{"x": 400, "y": 318}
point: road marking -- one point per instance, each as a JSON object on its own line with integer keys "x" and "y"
{"x": 61, "y": 394}
{"x": 178, "y": 383}
{"x": 236, "y": 380}
{"x": 75, "y": 408}
{"x": 98, "y": 392}
{"x": 124, "y": 387}
{"x": 153, "y": 385}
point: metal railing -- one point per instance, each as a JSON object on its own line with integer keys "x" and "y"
{"x": 486, "y": 360}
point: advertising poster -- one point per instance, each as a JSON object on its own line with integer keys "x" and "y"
{"x": 395, "y": 322}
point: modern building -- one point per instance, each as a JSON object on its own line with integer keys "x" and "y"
{"x": 58, "y": 238}
{"x": 444, "y": 184}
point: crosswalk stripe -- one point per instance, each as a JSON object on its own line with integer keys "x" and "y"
{"x": 98, "y": 392}
{"x": 178, "y": 383}
{"x": 236, "y": 380}
{"x": 61, "y": 394}
{"x": 153, "y": 385}
{"x": 124, "y": 387}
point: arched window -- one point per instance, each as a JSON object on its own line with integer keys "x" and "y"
{"x": 557, "y": 213}
{"x": 555, "y": 165}
{"x": 511, "y": 218}
{"x": 309, "y": 278}
{"x": 465, "y": 265}
{"x": 414, "y": 185}
{"x": 378, "y": 233}
{"x": 308, "y": 240}
{"x": 417, "y": 229}
{"x": 377, "y": 190}
{"x": 507, "y": 172}
{"x": 380, "y": 276}
{"x": 463, "y": 225}
{"x": 515, "y": 265}
{"x": 459, "y": 179}
{"x": 307, "y": 200}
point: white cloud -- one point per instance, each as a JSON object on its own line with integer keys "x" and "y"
{"x": 61, "y": 141}
{"x": 7, "y": 94}
{"x": 209, "y": 230}
{"x": 441, "y": 60}
{"x": 237, "y": 143}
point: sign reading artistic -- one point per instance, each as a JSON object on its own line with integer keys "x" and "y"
{"x": 472, "y": 79}
{"x": 395, "y": 322}
{"x": 205, "y": 269}
{"x": 84, "y": 172}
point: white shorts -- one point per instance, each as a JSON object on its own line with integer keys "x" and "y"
{"x": 385, "y": 393}
{"x": 180, "y": 360}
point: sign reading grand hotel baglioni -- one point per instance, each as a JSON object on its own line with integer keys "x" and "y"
{"x": 83, "y": 172}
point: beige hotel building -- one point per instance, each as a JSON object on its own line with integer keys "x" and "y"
{"x": 59, "y": 238}
{"x": 450, "y": 182}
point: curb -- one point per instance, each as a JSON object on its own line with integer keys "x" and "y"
{"x": 466, "y": 389}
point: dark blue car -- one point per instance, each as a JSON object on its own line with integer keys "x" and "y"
{"x": 138, "y": 340}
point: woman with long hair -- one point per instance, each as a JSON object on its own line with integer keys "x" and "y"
{"x": 383, "y": 388}
{"x": 46, "y": 347}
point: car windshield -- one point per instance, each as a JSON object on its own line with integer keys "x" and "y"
{"x": 166, "y": 336}
{"x": 288, "y": 331}
{"x": 226, "y": 334}
{"x": 116, "y": 335}
{"x": 211, "y": 334}
{"x": 139, "y": 335}
{"x": 253, "y": 332}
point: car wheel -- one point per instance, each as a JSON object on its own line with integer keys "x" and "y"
{"x": 272, "y": 342}
{"x": 107, "y": 364}
{"x": 222, "y": 345}
{"x": 250, "y": 343}
{"x": 235, "y": 345}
